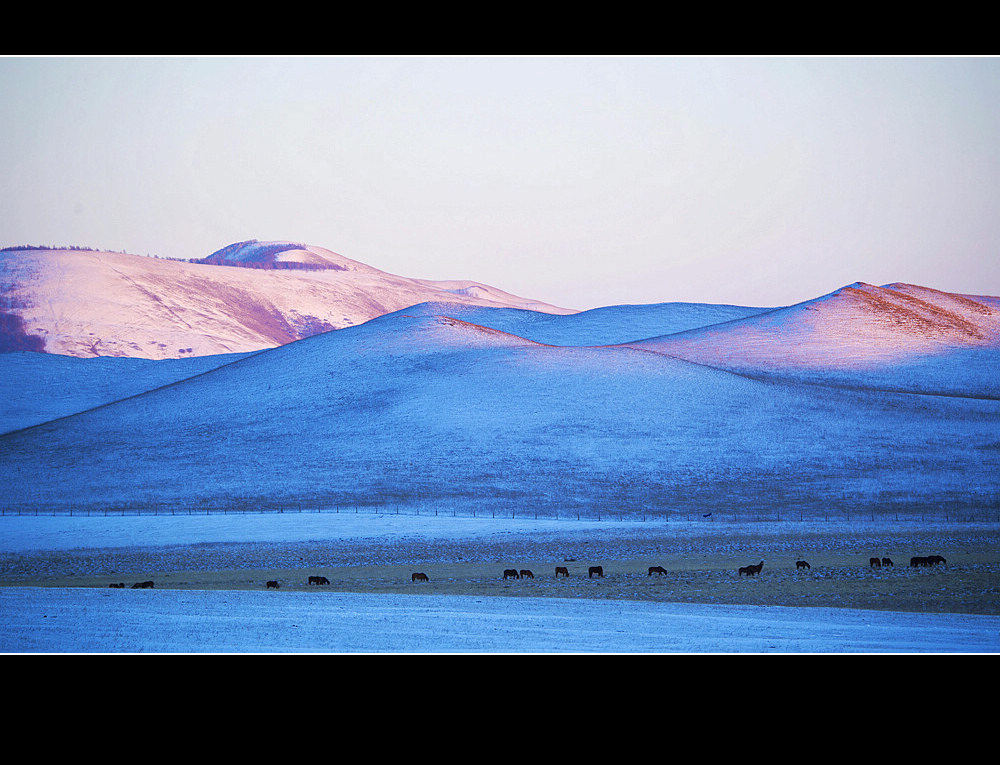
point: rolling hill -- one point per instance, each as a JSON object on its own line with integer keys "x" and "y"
{"x": 897, "y": 337}
{"x": 832, "y": 405}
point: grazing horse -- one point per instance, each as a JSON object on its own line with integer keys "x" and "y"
{"x": 561, "y": 570}
{"x": 888, "y": 562}
{"x": 272, "y": 585}
{"x": 595, "y": 570}
{"x": 118, "y": 585}
{"x": 934, "y": 559}
{"x": 801, "y": 564}
{"x": 751, "y": 570}
{"x": 318, "y": 580}
{"x": 526, "y": 574}
{"x": 874, "y": 563}
{"x": 656, "y": 570}
{"x": 511, "y": 573}
{"x": 418, "y": 577}
{"x": 142, "y": 586}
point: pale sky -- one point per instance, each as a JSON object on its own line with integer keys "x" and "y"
{"x": 580, "y": 181}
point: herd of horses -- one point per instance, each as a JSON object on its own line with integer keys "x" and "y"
{"x": 915, "y": 562}
{"x": 598, "y": 571}
{"x": 928, "y": 560}
{"x": 513, "y": 573}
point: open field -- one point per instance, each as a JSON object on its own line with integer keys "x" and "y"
{"x": 701, "y": 562}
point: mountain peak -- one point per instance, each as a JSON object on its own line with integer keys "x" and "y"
{"x": 253, "y": 253}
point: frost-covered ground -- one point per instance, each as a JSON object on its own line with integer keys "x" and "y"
{"x": 871, "y": 403}
{"x": 85, "y": 620}
{"x": 140, "y": 621}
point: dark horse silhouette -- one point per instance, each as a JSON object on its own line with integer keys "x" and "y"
{"x": 656, "y": 570}
{"x": 935, "y": 559}
{"x": 526, "y": 574}
{"x": 751, "y": 570}
{"x": 595, "y": 570}
{"x": 874, "y": 563}
{"x": 142, "y": 586}
{"x": 801, "y": 564}
{"x": 318, "y": 580}
{"x": 561, "y": 570}
{"x": 511, "y": 573}
{"x": 888, "y": 562}
{"x": 418, "y": 577}
{"x": 272, "y": 585}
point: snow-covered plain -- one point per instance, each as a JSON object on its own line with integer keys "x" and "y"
{"x": 90, "y": 620}
{"x": 160, "y": 621}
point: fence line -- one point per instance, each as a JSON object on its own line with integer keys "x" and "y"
{"x": 991, "y": 515}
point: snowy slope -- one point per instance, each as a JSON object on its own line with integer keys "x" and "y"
{"x": 38, "y": 387}
{"x": 420, "y": 409}
{"x": 610, "y": 325}
{"x": 897, "y": 337}
{"x": 86, "y": 303}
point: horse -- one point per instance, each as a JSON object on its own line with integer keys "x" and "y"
{"x": 526, "y": 574}
{"x": 801, "y": 564}
{"x": 935, "y": 559}
{"x": 751, "y": 570}
{"x": 272, "y": 585}
{"x": 595, "y": 570}
{"x": 874, "y": 563}
{"x": 511, "y": 573}
{"x": 142, "y": 586}
{"x": 656, "y": 570}
{"x": 918, "y": 560}
{"x": 118, "y": 585}
{"x": 418, "y": 577}
{"x": 561, "y": 570}
{"x": 318, "y": 580}
{"x": 888, "y": 562}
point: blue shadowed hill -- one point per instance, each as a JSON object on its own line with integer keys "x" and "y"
{"x": 430, "y": 412}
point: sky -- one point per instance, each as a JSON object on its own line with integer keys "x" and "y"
{"x": 582, "y": 181}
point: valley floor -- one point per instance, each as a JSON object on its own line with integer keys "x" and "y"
{"x": 224, "y": 563}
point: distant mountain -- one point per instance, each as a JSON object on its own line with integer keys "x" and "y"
{"x": 87, "y": 303}
{"x": 277, "y": 256}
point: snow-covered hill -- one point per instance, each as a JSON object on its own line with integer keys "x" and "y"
{"x": 444, "y": 407}
{"x": 39, "y": 387}
{"x": 897, "y": 337}
{"x": 87, "y": 303}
